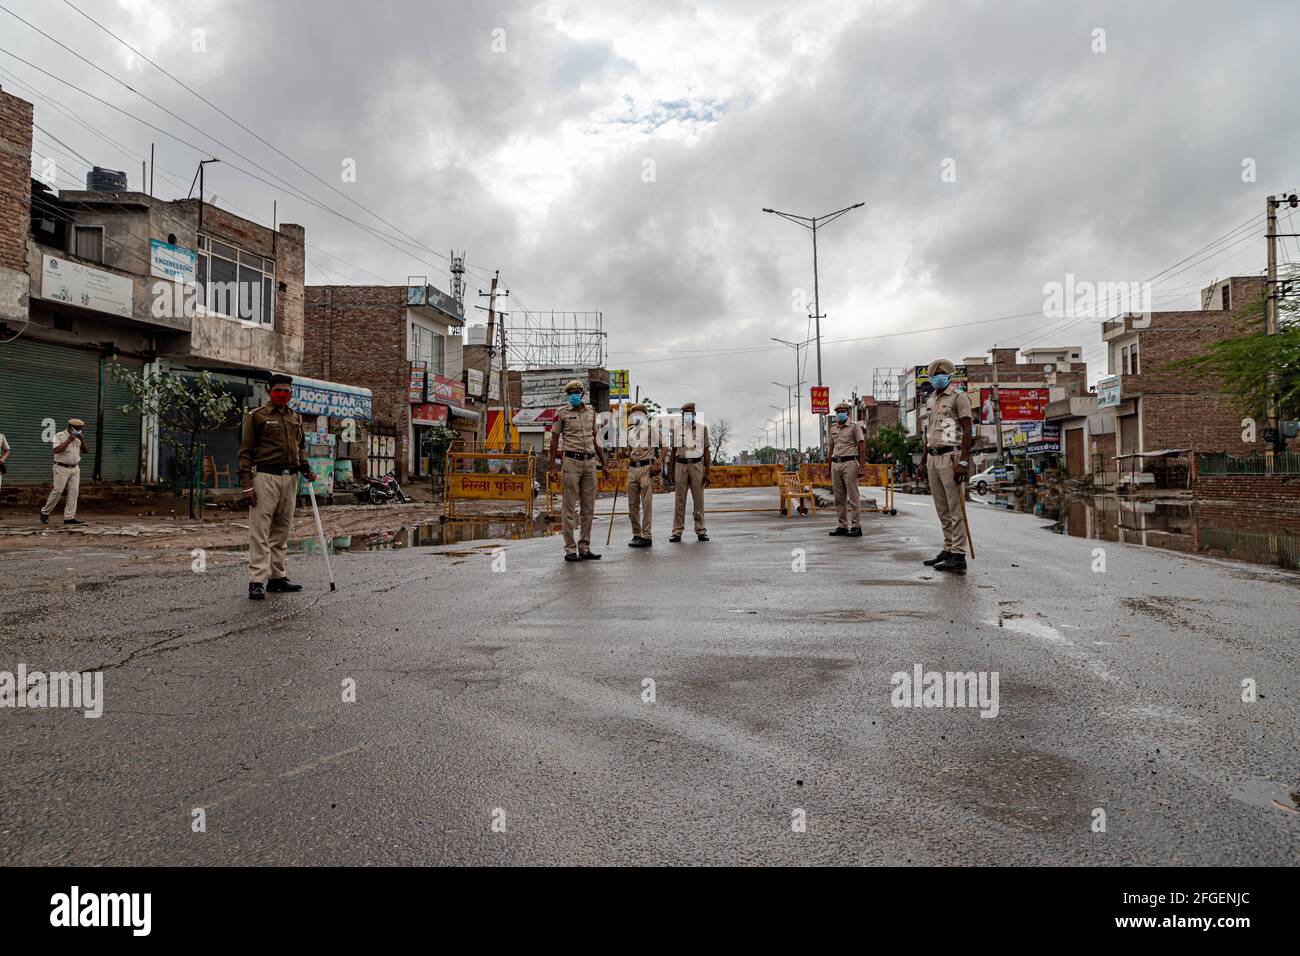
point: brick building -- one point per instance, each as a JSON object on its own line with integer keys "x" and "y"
{"x": 403, "y": 344}
{"x": 874, "y": 415}
{"x": 1156, "y": 407}
{"x": 108, "y": 275}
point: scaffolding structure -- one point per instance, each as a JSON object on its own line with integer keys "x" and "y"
{"x": 884, "y": 383}
{"x": 458, "y": 279}
{"x": 556, "y": 339}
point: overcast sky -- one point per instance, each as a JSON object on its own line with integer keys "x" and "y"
{"x": 617, "y": 156}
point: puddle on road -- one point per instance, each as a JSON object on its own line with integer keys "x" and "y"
{"x": 1190, "y": 527}
{"x": 426, "y": 535}
{"x": 1266, "y": 793}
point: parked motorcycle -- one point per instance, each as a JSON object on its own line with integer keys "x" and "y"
{"x": 377, "y": 491}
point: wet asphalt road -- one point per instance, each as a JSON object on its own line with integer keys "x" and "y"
{"x": 517, "y": 696}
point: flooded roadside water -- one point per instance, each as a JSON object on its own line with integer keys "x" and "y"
{"x": 429, "y": 534}
{"x": 1193, "y": 527}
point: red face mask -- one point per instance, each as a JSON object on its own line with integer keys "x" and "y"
{"x": 280, "y": 397}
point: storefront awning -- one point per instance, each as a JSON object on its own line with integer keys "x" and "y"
{"x": 314, "y": 397}
{"x": 463, "y": 412}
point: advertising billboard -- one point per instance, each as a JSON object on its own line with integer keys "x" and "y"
{"x": 1018, "y": 404}
{"x": 821, "y": 399}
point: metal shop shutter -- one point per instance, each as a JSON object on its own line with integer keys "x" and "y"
{"x": 121, "y": 453}
{"x": 39, "y": 381}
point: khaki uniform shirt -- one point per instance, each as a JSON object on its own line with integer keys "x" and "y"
{"x": 576, "y": 427}
{"x": 946, "y": 411}
{"x": 642, "y": 441}
{"x": 844, "y": 439}
{"x": 273, "y": 438}
{"x": 70, "y": 455}
{"x": 689, "y": 441}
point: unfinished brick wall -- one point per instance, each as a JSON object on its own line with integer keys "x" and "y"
{"x": 356, "y": 335}
{"x": 15, "y": 202}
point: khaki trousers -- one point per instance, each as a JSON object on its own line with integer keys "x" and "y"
{"x": 579, "y": 482}
{"x": 689, "y": 476}
{"x": 640, "y": 499}
{"x": 848, "y": 500}
{"x": 67, "y": 478}
{"x": 947, "y": 492}
{"x": 268, "y": 526}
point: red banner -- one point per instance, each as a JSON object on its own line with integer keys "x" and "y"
{"x": 444, "y": 389}
{"x": 1018, "y": 404}
{"x": 428, "y": 414}
{"x": 821, "y": 399}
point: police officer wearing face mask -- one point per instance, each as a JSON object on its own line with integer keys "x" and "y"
{"x": 646, "y": 460}
{"x": 945, "y": 458}
{"x": 69, "y": 446}
{"x": 271, "y": 457}
{"x": 848, "y": 446}
{"x": 690, "y": 464}
{"x": 576, "y": 423}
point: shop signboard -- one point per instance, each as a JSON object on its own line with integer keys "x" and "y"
{"x": 76, "y": 284}
{"x": 312, "y": 397}
{"x": 418, "y": 380}
{"x": 1108, "y": 392}
{"x": 174, "y": 263}
{"x": 474, "y": 382}
{"x": 544, "y": 387}
{"x": 446, "y": 390}
{"x": 428, "y": 414}
{"x": 618, "y": 384}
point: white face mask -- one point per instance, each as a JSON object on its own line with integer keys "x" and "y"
{"x": 689, "y": 418}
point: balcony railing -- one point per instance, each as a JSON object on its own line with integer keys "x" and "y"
{"x": 1221, "y": 463}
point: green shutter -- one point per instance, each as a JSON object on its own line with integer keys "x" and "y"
{"x": 121, "y": 451}
{"x": 39, "y": 381}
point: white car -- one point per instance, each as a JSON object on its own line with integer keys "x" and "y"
{"x": 980, "y": 483}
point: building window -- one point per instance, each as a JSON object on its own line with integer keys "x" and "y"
{"x": 1124, "y": 360}
{"x": 426, "y": 346}
{"x": 1133, "y": 358}
{"x": 235, "y": 283}
{"x": 88, "y": 243}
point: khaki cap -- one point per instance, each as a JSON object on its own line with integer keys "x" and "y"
{"x": 574, "y": 386}
{"x": 942, "y": 365}
{"x": 843, "y": 406}
{"x": 688, "y": 406}
{"x": 76, "y": 423}
{"x": 639, "y": 407}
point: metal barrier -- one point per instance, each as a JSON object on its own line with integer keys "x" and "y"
{"x": 1269, "y": 463}
{"x": 489, "y": 476}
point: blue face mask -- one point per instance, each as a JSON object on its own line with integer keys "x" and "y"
{"x": 841, "y": 417}
{"x": 688, "y": 418}
{"x": 575, "y": 399}
{"x": 940, "y": 381}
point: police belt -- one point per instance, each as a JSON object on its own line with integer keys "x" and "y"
{"x": 688, "y": 461}
{"x": 844, "y": 458}
{"x": 276, "y": 470}
{"x": 942, "y": 449}
{"x": 580, "y": 455}
{"x": 641, "y": 464}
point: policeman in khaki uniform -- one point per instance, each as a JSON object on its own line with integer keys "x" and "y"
{"x": 646, "y": 461}
{"x": 576, "y": 422}
{"x": 848, "y": 446}
{"x": 946, "y": 459}
{"x": 690, "y": 465}
{"x": 270, "y": 460}
{"x": 69, "y": 446}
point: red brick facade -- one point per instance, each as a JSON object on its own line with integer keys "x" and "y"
{"x": 15, "y": 184}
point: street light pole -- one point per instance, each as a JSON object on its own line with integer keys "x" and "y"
{"x": 789, "y": 409}
{"x": 798, "y": 390}
{"x": 782, "y": 429}
{"x": 812, "y": 224}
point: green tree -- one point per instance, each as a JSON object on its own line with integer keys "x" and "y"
{"x": 1253, "y": 363}
{"x": 434, "y": 446}
{"x": 186, "y": 409}
{"x": 892, "y": 440}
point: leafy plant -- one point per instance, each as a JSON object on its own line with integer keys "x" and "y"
{"x": 186, "y": 409}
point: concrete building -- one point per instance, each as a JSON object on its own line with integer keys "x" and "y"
{"x": 90, "y": 278}
{"x": 403, "y": 344}
{"x": 1156, "y": 407}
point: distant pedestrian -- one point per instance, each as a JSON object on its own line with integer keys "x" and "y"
{"x": 69, "y": 446}
{"x": 690, "y": 465}
{"x": 271, "y": 457}
{"x": 848, "y": 446}
{"x": 945, "y": 458}
{"x": 647, "y": 460}
{"x": 4, "y": 455}
{"x": 576, "y": 423}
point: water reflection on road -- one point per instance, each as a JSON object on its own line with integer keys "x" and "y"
{"x": 1197, "y": 527}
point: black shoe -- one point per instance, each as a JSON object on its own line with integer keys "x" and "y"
{"x": 73, "y": 521}
{"x": 702, "y": 536}
{"x": 256, "y": 591}
{"x": 675, "y": 539}
{"x": 837, "y": 532}
{"x": 588, "y": 556}
{"x": 45, "y": 519}
{"x": 638, "y": 542}
{"x": 954, "y": 562}
{"x": 282, "y": 585}
{"x": 941, "y": 556}
{"x": 572, "y": 557}
{"x": 646, "y": 543}
{"x": 855, "y": 533}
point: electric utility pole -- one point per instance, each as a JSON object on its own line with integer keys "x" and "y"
{"x": 491, "y": 348}
{"x": 1271, "y": 295}
{"x": 812, "y": 224}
